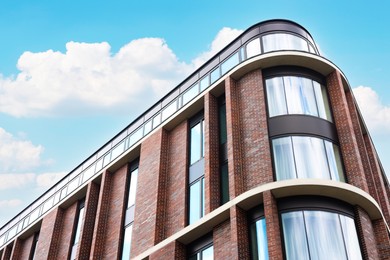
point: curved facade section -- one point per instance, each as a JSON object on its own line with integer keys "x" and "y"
{"x": 262, "y": 144}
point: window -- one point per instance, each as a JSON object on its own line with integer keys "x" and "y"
{"x": 259, "y": 245}
{"x": 79, "y": 224}
{"x": 315, "y": 234}
{"x": 284, "y": 41}
{"x": 196, "y": 206}
{"x": 201, "y": 249}
{"x": 129, "y": 216}
{"x": 297, "y": 95}
{"x": 306, "y": 157}
{"x": 224, "y": 173}
{"x": 205, "y": 254}
{"x": 34, "y": 246}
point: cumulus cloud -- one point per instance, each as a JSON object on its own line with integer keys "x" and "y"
{"x": 89, "y": 79}
{"x": 375, "y": 113}
{"x": 18, "y": 154}
{"x": 6, "y": 204}
{"x": 46, "y": 180}
{"x": 16, "y": 181}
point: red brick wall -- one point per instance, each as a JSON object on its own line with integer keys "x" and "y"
{"x": 273, "y": 228}
{"x": 174, "y": 250}
{"x": 7, "y": 252}
{"x": 239, "y": 234}
{"x": 221, "y": 241}
{"x": 68, "y": 223}
{"x": 17, "y": 246}
{"x": 211, "y": 171}
{"x": 177, "y": 179}
{"x": 366, "y": 234}
{"x": 23, "y": 252}
{"x": 382, "y": 238}
{"x": 147, "y": 227}
{"x": 345, "y": 129}
{"x": 86, "y": 231}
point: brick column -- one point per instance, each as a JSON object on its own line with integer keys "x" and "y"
{"x": 148, "y": 227}
{"x": 49, "y": 235}
{"x": 211, "y": 171}
{"x": 345, "y": 129}
{"x": 177, "y": 180}
{"x": 16, "y": 249}
{"x": 7, "y": 252}
{"x": 273, "y": 227}
{"x": 65, "y": 232}
{"x": 366, "y": 234}
{"x": 221, "y": 241}
{"x": 256, "y": 153}
{"x": 86, "y": 232}
{"x": 174, "y": 250}
{"x": 108, "y": 233}
{"x": 24, "y": 251}
{"x": 382, "y": 238}
{"x": 239, "y": 236}
{"x": 233, "y": 127}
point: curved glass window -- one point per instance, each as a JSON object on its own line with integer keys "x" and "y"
{"x": 285, "y": 41}
{"x": 253, "y": 48}
{"x": 259, "y": 240}
{"x": 319, "y": 235}
{"x": 298, "y": 157}
{"x": 297, "y": 95}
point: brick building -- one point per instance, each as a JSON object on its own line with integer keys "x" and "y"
{"x": 259, "y": 154}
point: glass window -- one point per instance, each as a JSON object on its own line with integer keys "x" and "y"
{"x": 148, "y": 127}
{"x": 324, "y": 235}
{"x": 135, "y": 137}
{"x": 127, "y": 242}
{"x": 259, "y": 245}
{"x": 197, "y": 142}
{"x": 204, "y": 83}
{"x": 283, "y": 41}
{"x": 169, "y": 110}
{"x": 297, "y": 95}
{"x": 190, "y": 93}
{"x": 196, "y": 205}
{"x": 230, "y": 63}
{"x": 214, "y": 75}
{"x": 253, "y": 48}
{"x": 79, "y": 224}
{"x": 306, "y": 157}
{"x": 132, "y": 188}
{"x": 204, "y": 254}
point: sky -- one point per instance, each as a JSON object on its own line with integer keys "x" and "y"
{"x": 75, "y": 73}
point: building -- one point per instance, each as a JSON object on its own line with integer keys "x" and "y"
{"x": 259, "y": 154}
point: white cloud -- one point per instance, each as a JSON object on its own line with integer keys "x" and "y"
{"x": 46, "y": 180}
{"x": 16, "y": 181}
{"x": 18, "y": 154}
{"x": 375, "y": 113}
{"x": 89, "y": 79}
{"x": 6, "y": 204}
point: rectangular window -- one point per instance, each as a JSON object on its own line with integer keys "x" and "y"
{"x": 34, "y": 246}
{"x": 196, "y": 171}
{"x": 79, "y": 224}
{"x": 201, "y": 249}
{"x": 223, "y": 167}
{"x": 127, "y": 242}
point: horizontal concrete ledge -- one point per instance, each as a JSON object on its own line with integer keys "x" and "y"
{"x": 280, "y": 189}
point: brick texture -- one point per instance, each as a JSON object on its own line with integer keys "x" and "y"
{"x": 221, "y": 240}
{"x": 176, "y": 190}
{"x": 382, "y": 238}
{"x": 273, "y": 227}
{"x": 24, "y": 251}
{"x": 16, "y": 249}
{"x": 7, "y": 252}
{"x": 211, "y": 173}
{"x": 68, "y": 222}
{"x": 366, "y": 233}
{"x": 345, "y": 129}
{"x": 174, "y": 250}
{"x": 86, "y": 232}
{"x": 239, "y": 234}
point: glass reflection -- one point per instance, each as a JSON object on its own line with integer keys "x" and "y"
{"x": 259, "y": 240}
{"x": 283, "y": 41}
{"x": 127, "y": 243}
{"x": 195, "y": 206}
{"x": 253, "y": 48}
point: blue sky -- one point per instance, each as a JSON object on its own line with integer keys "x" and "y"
{"x": 75, "y": 73}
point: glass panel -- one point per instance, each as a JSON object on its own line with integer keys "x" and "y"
{"x": 135, "y": 136}
{"x": 196, "y": 138}
{"x": 127, "y": 242}
{"x": 204, "y": 83}
{"x": 12, "y": 232}
{"x": 195, "y": 202}
{"x": 229, "y": 63}
{"x": 350, "y": 238}
{"x": 2, "y": 240}
{"x": 118, "y": 150}
{"x": 190, "y": 93}
{"x": 284, "y": 159}
{"x": 259, "y": 240}
{"x": 322, "y": 101}
{"x": 208, "y": 253}
{"x": 222, "y": 124}
{"x": 63, "y": 192}
{"x": 89, "y": 173}
{"x": 310, "y": 157}
{"x": 34, "y": 215}
{"x": 48, "y": 204}
{"x": 283, "y": 41}
{"x": 107, "y": 159}
{"x": 294, "y": 236}
{"x": 133, "y": 188}
{"x": 334, "y": 160}
{"x": 276, "y": 97}
{"x": 99, "y": 165}
{"x": 214, "y": 75}
{"x": 300, "y": 96}
{"x": 324, "y": 235}
{"x": 253, "y": 48}
{"x": 73, "y": 185}
{"x": 311, "y": 49}
{"x": 169, "y": 110}
{"x": 148, "y": 127}
{"x": 156, "y": 120}
{"x": 79, "y": 224}
{"x": 224, "y": 183}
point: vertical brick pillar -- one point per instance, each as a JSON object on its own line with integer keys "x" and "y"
{"x": 48, "y": 243}
{"x": 7, "y": 252}
{"x": 366, "y": 234}
{"x": 383, "y": 196}
{"x": 151, "y": 200}
{"x": 65, "y": 232}
{"x": 16, "y": 249}
{"x": 108, "y": 233}
{"x": 211, "y": 173}
{"x": 382, "y": 238}
{"x": 256, "y": 153}
{"x": 174, "y": 250}
{"x": 345, "y": 129}
{"x": 233, "y": 128}
{"x": 86, "y": 231}
{"x": 221, "y": 241}
{"x": 239, "y": 235}
{"x": 24, "y": 250}
{"x": 272, "y": 225}
{"x": 177, "y": 179}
